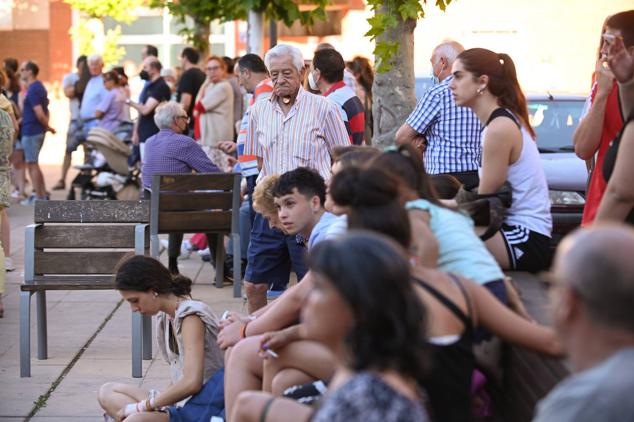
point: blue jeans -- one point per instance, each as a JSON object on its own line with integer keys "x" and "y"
{"x": 32, "y": 144}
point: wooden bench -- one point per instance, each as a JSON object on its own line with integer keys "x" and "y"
{"x": 75, "y": 245}
{"x": 528, "y": 376}
{"x": 199, "y": 203}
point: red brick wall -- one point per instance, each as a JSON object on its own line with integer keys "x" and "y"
{"x": 60, "y": 44}
{"x": 27, "y": 45}
{"x": 50, "y": 49}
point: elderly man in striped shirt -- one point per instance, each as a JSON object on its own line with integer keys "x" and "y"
{"x": 291, "y": 129}
{"x": 449, "y": 134}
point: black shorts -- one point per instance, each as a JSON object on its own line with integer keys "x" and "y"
{"x": 527, "y": 250}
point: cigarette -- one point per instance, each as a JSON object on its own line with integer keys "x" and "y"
{"x": 271, "y": 353}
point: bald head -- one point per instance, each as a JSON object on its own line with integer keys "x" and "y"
{"x": 598, "y": 265}
{"x": 443, "y": 56}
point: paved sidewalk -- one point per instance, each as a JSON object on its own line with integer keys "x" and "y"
{"x": 74, "y": 317}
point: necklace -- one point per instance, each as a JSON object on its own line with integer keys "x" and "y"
{"x": 286, "y": 100}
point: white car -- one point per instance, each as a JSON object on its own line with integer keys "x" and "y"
{"x": 554, "y": 119}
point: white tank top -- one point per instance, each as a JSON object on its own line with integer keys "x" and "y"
{"x": 530, "y": 207}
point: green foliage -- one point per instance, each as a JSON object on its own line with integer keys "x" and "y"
{"x": 118, "y": 10}
{"x": 112, "y": 51}
{"x": 386, "y": 17}
{"x": 203, "y": 12}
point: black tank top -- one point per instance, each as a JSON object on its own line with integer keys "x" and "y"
{"x": 448, "y": 383}
{"x": 610, "y": 160}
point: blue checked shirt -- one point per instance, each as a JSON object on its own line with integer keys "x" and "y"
{"x": 452, "y": 132}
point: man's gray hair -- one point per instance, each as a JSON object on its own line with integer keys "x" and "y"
{"x": 285, "y": 51}
{"x": 95, "y": 58}
{"x": 597, "y": 264}
{"x": 166, "y": 113}
{"x": 449, "y": 49}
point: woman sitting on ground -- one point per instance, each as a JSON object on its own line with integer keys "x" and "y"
{"x": 487, "y": 83}
{"x": 375, "y": 336}
{"x": 186, "y": 331}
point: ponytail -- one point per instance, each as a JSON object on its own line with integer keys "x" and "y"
{"x": 503, "y": 83}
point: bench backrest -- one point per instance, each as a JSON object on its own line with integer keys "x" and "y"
{"x": 192, "y": 203}
{"x": 83, "y": 238}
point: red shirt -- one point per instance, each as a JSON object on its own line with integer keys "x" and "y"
{"x": 612, "y": 124}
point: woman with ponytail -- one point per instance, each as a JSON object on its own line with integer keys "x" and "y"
{"x": 487, "y": 83}
{"x": 186, "y": 333}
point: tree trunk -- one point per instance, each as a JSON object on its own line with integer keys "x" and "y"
{"x": 393, "y": 92}
{"x": 202, "y": 31}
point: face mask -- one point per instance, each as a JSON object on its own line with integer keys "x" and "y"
{"x": 311, "y": 82}
{"x": 435, "y": 80}
{"x": 144, "y": 75}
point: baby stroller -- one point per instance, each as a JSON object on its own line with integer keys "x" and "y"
{"x": 108, "y": 175}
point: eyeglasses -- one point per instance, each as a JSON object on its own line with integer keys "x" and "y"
{"x": 183, "y": 117}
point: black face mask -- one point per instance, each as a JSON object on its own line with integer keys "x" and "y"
{"x": 144, "y": 75}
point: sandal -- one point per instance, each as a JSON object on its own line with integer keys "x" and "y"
{"x": 60, "y": 185}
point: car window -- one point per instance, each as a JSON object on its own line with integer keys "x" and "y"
{"x": 554, "y": 122}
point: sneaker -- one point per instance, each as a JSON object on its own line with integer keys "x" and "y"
{"x": 17, "y": 195}
{"x": 31, "y": 200}
{"x": 28, "y": 201}
{"x": 8, "y": 264}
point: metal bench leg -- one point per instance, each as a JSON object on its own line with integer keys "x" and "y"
{"x": 42, "y": 337}
{"x": 237, "y": 266}
{"x": 137, "y": 330}
{"x": 25, "y": 334}
{"x": 220, "y": 260}
{"x": 147, "y": 337}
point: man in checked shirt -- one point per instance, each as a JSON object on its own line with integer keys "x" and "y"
{"x": 449, "y": 135}
{"x": 291, "y": 129}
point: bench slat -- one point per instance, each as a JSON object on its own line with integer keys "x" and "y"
{"x": 172, "y": 201}
{"x": 199, "y": 181}
{"x": 196, "y": 221}
{"x": 86, "y": 236}
{"x": 69, "y": 283}
{"x": 92, "y": 212}
{"x": 102, "y": 262}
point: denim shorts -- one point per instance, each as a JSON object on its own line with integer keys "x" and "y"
{"x": 272, "y": 255}
{"x": 32, "y": 144}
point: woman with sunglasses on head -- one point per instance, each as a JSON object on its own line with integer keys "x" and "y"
{"x": 487, "y": 83}
{"x": 186, "y": 333}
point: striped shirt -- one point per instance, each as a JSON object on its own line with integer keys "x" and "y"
{"x": 248, "y": 164}
{"x": 452, "y": 132}
{"x": 352, "y": 111}
{"x": 305, "y": 137}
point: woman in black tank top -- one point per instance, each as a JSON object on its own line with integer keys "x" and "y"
{"x": 618, "y": 170}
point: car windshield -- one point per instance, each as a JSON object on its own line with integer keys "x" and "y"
{"x": 554, "y": 122}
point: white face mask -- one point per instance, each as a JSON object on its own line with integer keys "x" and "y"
{"x": 311, "y": 82}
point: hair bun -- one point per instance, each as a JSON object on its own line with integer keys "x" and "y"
{"x": 182, "y": 285}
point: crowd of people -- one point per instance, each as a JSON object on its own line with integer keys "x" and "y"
{"x": 400, "y": 295}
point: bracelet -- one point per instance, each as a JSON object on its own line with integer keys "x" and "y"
{"x": 266, "y": 408}
{"x": 243, "y": 330}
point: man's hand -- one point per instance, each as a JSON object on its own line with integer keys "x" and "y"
{"x": 604, "y": 77}
{"x": 50, "y": 129}
{"x": 420, "y": 143}
{"x": 135, "y": 137}
{"x": 621, "y": 61}
{"x": 228, "y": 147}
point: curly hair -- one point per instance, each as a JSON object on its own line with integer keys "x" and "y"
{"x": 141, "y": 273}
{"x": 263, "y": 195}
